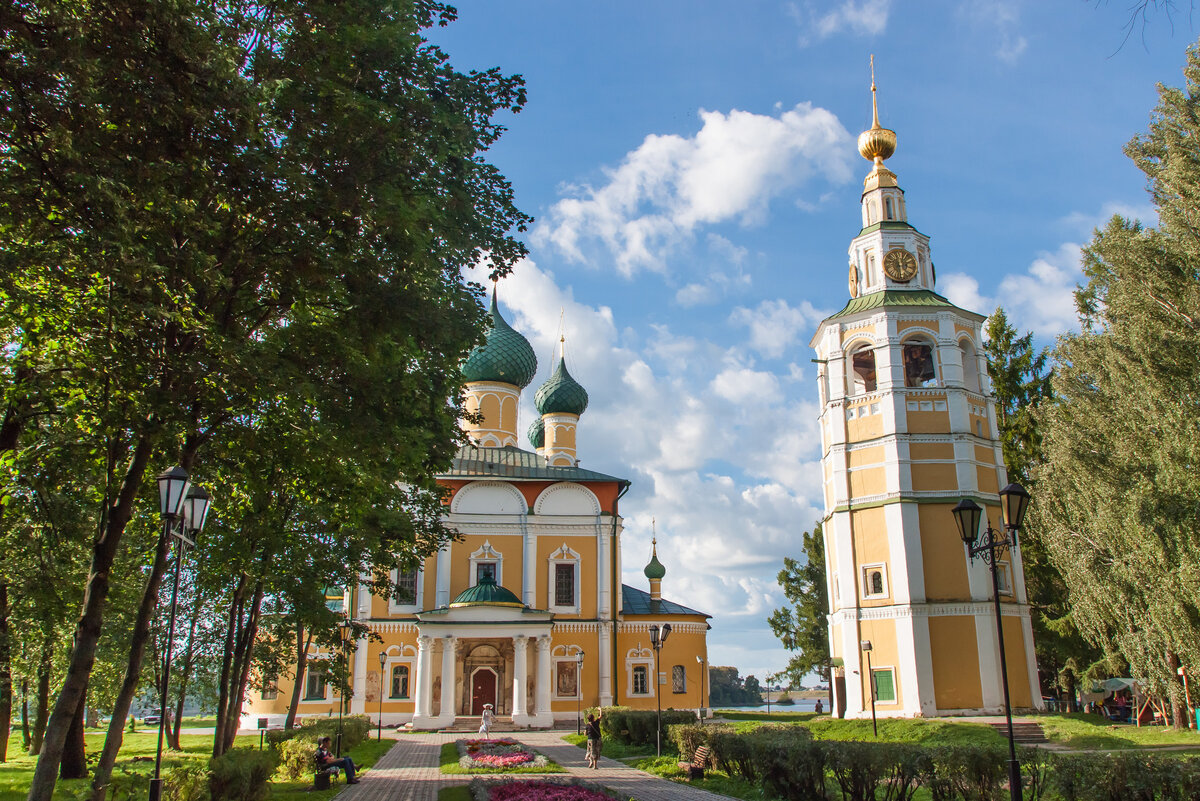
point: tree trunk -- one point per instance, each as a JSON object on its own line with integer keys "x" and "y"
{"x": 1179, "y": 710}
{"x": 302, "y": 643}
{"x": 240, "y": 672}
{"x": 74, "y": 758}
{"x": 133, "y": 669}
{"x": 185, "y": 671}
{"x": 25, "y": 715}
{"x": 6, "y": 694}
{"x": 87, "y": 629}
{"x": 231, "y": 626}
{"x": 45, "y": 665}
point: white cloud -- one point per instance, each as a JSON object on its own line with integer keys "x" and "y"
{"x": 671, "y": 186}
{"x": 744, "y": 386}
{"x": 858, "y": 17}
{"x": 1084, "y": 224}
{"x": 1000, "y": 19}
{"x": 775, "y": 326}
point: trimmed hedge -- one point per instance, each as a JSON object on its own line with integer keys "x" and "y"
{"x": 241, "y": 774}
{"x": 355, "y": 729}
{"x": 639, "y": 726}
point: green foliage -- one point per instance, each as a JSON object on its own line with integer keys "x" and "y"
{"x": 187, "y": 783}
{"x": 1123, "y": 777}
{"x": 241, "y": 774}
{"x": 639, "y": 726}
{"x": 687, "y": 737}
{"x": 788, "y": 763}
{"x": 296, "y": 757}
{"x": 804, "y": 626}
{"x": 968, "y": 772}
{"x": 726, "y": 687}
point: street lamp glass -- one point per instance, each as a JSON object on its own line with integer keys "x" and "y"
{"x": 382, "y": 659}
{"x": 654, "y": 636}
{"x": 967, "y": 514}
{"x": 579, "y": 656}
{"x": 172, "y": 489}
{"x": 195, "y": 509}
{"x": 666, "y": 632}
{"x": 866, "y": 645}
{"x": 1014, "y": 500}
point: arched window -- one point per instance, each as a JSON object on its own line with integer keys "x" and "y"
{"x": 877, "y": 582}
{"x": 887, "y": 208}
{"x": 399, "y": 682}
{"x": 918, "y": 363}
{"x": 862, "y": 370}
{"x": 970, "y": 362}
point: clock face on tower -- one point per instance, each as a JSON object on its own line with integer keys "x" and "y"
{"x": 900, "y": 265}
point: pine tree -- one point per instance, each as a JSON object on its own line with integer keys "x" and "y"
{"x": 804, "y": 626}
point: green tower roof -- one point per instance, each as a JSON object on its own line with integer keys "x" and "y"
{"x": 486, "y": 593}
{"x": 561, "y": 393}
{"x": 506, "y": 357}
{"x": 655, "y": 569}
{"x": 537, "y": 433}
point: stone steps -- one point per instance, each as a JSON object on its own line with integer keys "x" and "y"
{"x": 1023, "y": 733}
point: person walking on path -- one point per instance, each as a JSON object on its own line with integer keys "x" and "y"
{"x": 485, "y": 726}
{"x": 593, "y": 742}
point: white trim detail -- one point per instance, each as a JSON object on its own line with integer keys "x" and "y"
{"x": 406, "y": 609}
{"x": 568, "y": 495}
{"x": 565, "y": 555}
{"x": 866, "y": 571}
{"x": 567, "y": 653}
{"x": 486, "y": 553}
{"x": 638, "y": 657}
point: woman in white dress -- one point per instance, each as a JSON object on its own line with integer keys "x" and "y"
{"x": 485, "y": 726}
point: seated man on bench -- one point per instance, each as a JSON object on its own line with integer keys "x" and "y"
{"x": 326, "y": 760}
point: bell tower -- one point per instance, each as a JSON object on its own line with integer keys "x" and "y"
{"x": 908, "y": 428}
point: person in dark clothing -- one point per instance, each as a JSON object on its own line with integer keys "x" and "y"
{"x": 325, "y": 759}
{"x": 593, "y": 742}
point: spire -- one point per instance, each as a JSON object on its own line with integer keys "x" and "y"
{"x": 877, "y": 144}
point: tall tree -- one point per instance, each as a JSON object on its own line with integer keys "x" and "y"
{"x": 1119, "y": 487}
{"x": 804, "y": 626}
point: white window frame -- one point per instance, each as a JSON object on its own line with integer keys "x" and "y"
{"x": 567, "y": 653}
{"x": 866, "y": 583}
{"x": 324, "y": 665}
{"x": 895, "y": 688}
{"x": 1004, "y": 577}
{"x": 399, "y": 655}
{"x": 564, "y": 556}
{"x": 391, "y": 675}
{"x": 401, "y": 609}
{"x": 639, "y": 657}
{"x": 486, "y": 553}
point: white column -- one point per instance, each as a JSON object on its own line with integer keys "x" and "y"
{"x": 545, "y": 715}
{"x": 442, "y": 590}
{"x": 424, "y": 683}
{"x": 604, "y": 664}
{"x": 449, "y": 654}
{"x": 520, "y": 667}
{"x": 358, "y": 701}
{"x": 529, "y": 563}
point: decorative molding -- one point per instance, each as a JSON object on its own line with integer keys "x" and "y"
{"x": 898, "y": 611}
{"x": 571, "y": 627}
{"x": 573, "y": 492}
{"x": 640, "y": 627}
{"x": 389, "y": 627}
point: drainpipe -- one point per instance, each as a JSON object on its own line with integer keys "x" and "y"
{"x": 616, "y": 585}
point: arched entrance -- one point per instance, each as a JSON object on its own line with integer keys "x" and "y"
{"x": 483, "y": 689}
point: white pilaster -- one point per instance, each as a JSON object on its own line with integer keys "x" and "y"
{"x": 423, "y": 719}
{"x": 543, "y": 715}
{"x": 604, "y": 666}
{"x": 520, "y": 714}
{"x": 442, "y": 592}
{"x": 358, "y": 700}
{"x": 529, "y": 563}
{"x": 449, "y": 653}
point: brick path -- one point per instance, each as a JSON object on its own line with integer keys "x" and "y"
{"x": 409, "y": 772}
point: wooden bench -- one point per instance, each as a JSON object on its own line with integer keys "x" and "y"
{"x": 695, "y": 768}
{"x": 324, "y": 776}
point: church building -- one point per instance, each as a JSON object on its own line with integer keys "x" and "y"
{"x": 526, "y": 611}
{"x": 908, "y": 428}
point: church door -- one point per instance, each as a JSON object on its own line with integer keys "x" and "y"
{"x": 483, "y": 690}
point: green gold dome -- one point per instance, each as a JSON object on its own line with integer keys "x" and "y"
{"x": 655, "y": 569}
{"x": 537, "y": 433}
{"x": 561, "y": 393}
{"x": 486, "y": 593}
{"x": 506, "y": 358}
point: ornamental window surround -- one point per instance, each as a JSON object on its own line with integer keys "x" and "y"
{"x": 970, "y": 365}
{"x": 398, "y": 671}
{"x": 639, "y": 666}
{"x": 568, "y": 675}
{"x": 316, "y": 688}
{"x": 861, "y": 378}
{"x": 874, "y": 581}
{"x": 487, "y": 561}
{"x": 408, "y": 587}
{"x": 563, "y": 581}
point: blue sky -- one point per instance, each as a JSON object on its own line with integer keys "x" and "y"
{"x": 693, "y": 171}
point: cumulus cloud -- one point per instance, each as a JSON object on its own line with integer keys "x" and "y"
{"x": 775, "y": 326}
{"x": 858, "y": 17}
{"x": 1084, "y": 224}
{"x": 1000, "y": 19}
{"x": 662, "y": 193}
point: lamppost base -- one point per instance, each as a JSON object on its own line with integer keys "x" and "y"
{"x": 155, "y": 790}
{"x": 1014, "y": 780}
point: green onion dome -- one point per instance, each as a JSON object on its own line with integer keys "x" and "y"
{"x": 486, "y": 593}
{"x": 655, "y": 569}
{"x": 561, "y": 393}
{"x": 506, "y": 357}
{"x": 537, "y": 433}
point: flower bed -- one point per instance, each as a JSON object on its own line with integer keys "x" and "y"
{"x": 500, "y": 755}
{"x": 537, "y": 790}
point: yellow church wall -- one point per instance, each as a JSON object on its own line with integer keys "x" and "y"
{"x": 508, "y": 414}
{"x": 863, "y": 428}
{"x": 960, "y": 329}
{"x": 934, "y": 476}
{"x": 867, "y": 456}
{"x": 1014, "y": 654}
{"x": 926, "y": 325}
{"x": 508, "y": 546}
{"x": 586, "y": 548}
{"x": 589, "y": 675}
{"x": 928, "y": 422}
{"x": 942, "y": 553}
{"x": 984, "y": 454}
{"x": 856, "y": 331}
{"x": 922, "y": 451}
{"x": 987, "y": 479}
{"x": 955, "y": 662}
{"x": 489, "y": 408}
{"x": 868, "y": 481}
{"x": 681, "y": 648}
{"x": 885, "y": 653}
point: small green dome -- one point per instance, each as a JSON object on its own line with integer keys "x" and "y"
{"x": 506, "y": 357}
{"x": 655, "y": 569}
{"x": 561, "y": 393}
{"x": 537, "y": 433}
{"x": 486, "y": 593}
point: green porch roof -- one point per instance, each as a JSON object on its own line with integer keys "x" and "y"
{"x": 514, "y": 464}
{"x": 638, "y": 602}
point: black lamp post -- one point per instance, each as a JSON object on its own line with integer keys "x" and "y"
{"x": 183, "y": 509}
{"x": 866, "y": 647}
{"x": 344, "y": 628}
{"x": 579, "y": 691}
{"x": 703, "y": 676}
{"x": 657, "y": 640}
{"x": 1014, "y": 501}
{"x": 382, "y": 680}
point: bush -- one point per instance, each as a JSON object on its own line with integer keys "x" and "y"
{"x": 688, "y": 737}
{"x": 639, "y": 726}
{"x": 1124, "y": 777}
{"x": 968, "y": 772}
{"x": 241, "y": 775}
{"x": 788, "y": 762}
{"x": 297, "y": 757}
{"x": 355, "y": 729}
{"x": 187, "y": 783}
{"x": 784, "y": 699}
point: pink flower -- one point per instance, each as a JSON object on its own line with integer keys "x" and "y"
{"x": 544, "y": 791}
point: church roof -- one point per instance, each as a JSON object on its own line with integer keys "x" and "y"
{"x": 639, "y": 602}
{"x": 486, "y": 593}
{"x": 561, "y": 393}
{"x": 892, "y": 298}
{"x": 506, "y": 357}
{"x": 514, "y": 464}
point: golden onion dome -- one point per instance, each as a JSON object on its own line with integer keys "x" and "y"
{"x": 876, "y": 143}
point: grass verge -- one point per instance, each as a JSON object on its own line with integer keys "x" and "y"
{"x": 450, "y": 756}
{"x": 615, "y": 750}
{"x": 365, "y": 755}
{"x": 1083, "y": 731}
{"x": 458, "y": 793}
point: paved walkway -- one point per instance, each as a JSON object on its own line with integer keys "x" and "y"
{"x": 409, "y": 772}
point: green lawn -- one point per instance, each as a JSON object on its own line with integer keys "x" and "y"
{"x": 1084, "y": 731}
{"x": 450, "y": 757}
{"x": 457, "y": 793}
{"x": 614, "y": 750}
{"x": 137, "y": 756}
